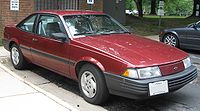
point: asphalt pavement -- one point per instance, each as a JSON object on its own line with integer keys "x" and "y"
{"x": 39, "y": 89}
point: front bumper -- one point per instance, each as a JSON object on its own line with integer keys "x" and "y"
{"x": 139, "y": 89}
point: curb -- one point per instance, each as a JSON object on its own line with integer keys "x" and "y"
{"x": 49, "y": 95}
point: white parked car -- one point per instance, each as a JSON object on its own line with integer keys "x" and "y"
{"x": 129, "y": 12}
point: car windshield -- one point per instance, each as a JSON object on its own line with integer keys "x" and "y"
{"x": 92, "y": 25}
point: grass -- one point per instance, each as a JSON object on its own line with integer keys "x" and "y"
{"x": 1, "y": 42}
{"x": 148, "y": 25}
{"x": 153, "y": 16}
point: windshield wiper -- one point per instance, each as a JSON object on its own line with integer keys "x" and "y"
{"x": 84, "y": 33}
{"x": 114, "y": 32}
{"x": 127, "y": 32}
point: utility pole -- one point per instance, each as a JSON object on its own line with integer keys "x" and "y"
{"x": 160, "y": 13}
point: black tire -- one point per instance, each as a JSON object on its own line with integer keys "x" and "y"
{"x": 171, "y": 39}
{"x": 22, "y": 62}
{"x": 102, "y": 93}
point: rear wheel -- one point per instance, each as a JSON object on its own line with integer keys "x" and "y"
{"x": 92, "y": 84}
{"x": 17, "y": 57}
{"x": 171, "y": 39}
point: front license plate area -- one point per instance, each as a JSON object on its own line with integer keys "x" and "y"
{"x": 159, "y": 87}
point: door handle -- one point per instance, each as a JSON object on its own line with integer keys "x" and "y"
{"x": 34, "y": 40}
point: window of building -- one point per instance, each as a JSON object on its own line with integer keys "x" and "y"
{"x": 56, "y": 4}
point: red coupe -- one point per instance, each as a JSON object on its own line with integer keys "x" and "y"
{"x": 95, "y": 50}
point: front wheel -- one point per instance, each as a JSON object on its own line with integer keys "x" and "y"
{"x": 17, "y": 57}
{"x": 171, "y": 39}
{"x": 92, "y": 84}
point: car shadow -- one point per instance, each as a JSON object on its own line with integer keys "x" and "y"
{"x": 58, "y": 80}
{"x": 114, "y": 103}
{"x": 196, "y": 52}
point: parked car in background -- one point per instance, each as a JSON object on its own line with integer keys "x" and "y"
{"x": 129, "y": 12}
{"x": 187, "y": 37}
{"x": 99, "y": 53}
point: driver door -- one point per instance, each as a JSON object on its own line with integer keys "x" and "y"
{"x": 47, "y": 50}
{"x": 193, "y": 36}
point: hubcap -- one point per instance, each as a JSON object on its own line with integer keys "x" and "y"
{"x": 88, "y": 84}
{"x": 170, "y": 40}
{"x": 15, "y": 55}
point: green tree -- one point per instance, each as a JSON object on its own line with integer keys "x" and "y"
{"x": 130, "y": 5}
{"x": 178, "y": 7}
{"x": 139, "y": 7}
{"x": 153, "y": 7}
{"x": 172, "y": 7}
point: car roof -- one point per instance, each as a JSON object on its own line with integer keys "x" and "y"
{"x": 69, "y": 12}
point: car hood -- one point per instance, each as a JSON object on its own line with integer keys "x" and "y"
{"x": 138, "y": 51}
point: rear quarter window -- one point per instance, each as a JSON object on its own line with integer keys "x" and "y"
{"x": 28, "y": 24}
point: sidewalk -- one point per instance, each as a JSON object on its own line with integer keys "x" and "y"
{"x": 153, "y": 37}
{"x": 19, "y": 95}
{"x": 3, "y": 52}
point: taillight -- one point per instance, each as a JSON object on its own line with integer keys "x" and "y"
{"x": 161, "y": 33}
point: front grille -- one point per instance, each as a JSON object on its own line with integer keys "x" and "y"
{"x": 172, "y": 68}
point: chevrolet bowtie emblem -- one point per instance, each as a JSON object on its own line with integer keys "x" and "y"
{"x": 175, "y": 68}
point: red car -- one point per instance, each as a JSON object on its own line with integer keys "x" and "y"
{"x": 95, "y": 50}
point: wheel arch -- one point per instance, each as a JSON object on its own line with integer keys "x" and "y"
{"x": 170, "y": 32}
{"x": 88, "y": 60}
{"x": 13, "y": 41}
{"x": 101, "y": 85}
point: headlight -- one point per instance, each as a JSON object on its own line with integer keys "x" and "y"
{"x": 149, "y": 72}
{"x": 187, "y": 63}
{"x": 143, "y": 73}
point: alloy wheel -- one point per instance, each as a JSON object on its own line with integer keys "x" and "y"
{"x": 170, "y": 40}
{"x": 88, "y": 84}
{"x": 15, "y": 55}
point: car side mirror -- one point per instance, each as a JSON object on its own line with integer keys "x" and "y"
{"x": 60, "y": 36}
{"x": 194, "y": 26}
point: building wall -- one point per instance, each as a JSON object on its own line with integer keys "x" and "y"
{"x": 12, "y": 17}
{"x": 115, "y": 8}
{"x": 1, "y": 31}
{"x": 97, "y": 6}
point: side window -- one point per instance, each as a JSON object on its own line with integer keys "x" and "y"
{"x": 198, "y": 25}
{"x": 28, "y": 24}
{"x": 49, "y": 25}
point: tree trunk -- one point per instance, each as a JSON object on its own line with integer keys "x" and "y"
{"x": 194, "y": 14}
{"x": 139, "y": 7}
{"x": 153, "y": 7}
